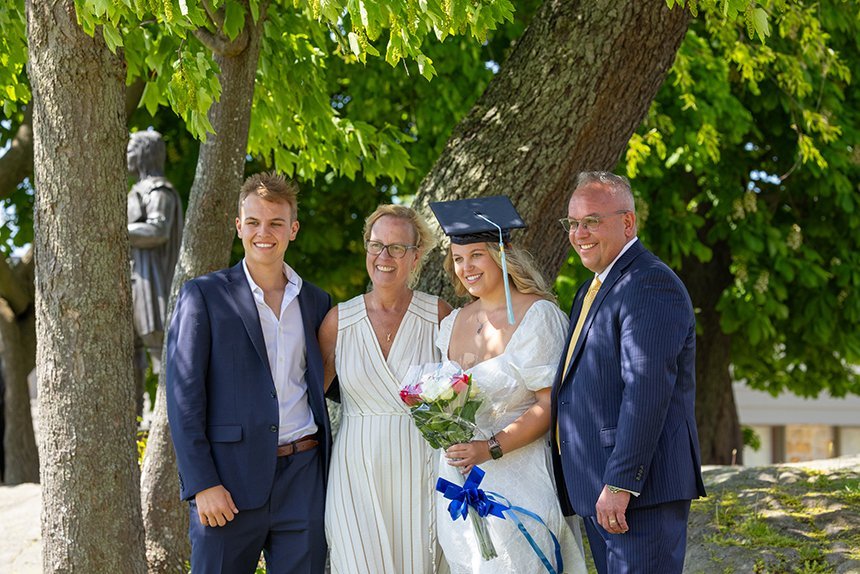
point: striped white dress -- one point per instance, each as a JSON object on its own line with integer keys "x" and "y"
{"x": 380, "y": 510}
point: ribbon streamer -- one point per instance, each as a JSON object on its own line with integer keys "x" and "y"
{"x": 487, "y": 503}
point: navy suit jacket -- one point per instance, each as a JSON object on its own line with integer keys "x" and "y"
{"x": 625, "y": 407}
{"x": 221, "y": 400}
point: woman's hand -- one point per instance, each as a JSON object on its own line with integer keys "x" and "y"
{"x": 468, "y": 454}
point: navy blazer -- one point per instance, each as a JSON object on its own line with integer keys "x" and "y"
{"x": 624, "y": 409}
{"x": 221, "y": 400}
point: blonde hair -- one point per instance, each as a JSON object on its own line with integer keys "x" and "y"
{"x": 521, "y": 269}
{"x": 271, "y": 186}
{"x": 422, "y": 236}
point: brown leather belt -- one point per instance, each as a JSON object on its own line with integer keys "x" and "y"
{"x": 299, "y": 445}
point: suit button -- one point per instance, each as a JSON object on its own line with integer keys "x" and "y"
{"x": 273, "y": 428}
{"x": 274, "y": 395}
{"x": 563, "y": 402}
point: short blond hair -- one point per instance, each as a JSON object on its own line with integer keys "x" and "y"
{"x": 521, "y": 269}
{"x": 422, "y": 236}
{"x": 271, "y": 186}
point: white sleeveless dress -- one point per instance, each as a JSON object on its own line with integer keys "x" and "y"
{"x": 507, "y": 385}
{"x": 380, "y": 509}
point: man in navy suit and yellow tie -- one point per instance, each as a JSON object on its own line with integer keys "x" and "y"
{"x": 626, "y": 448}
{"x": 245, "y": 399}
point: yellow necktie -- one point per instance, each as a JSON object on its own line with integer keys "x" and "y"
{"x": 590, "y": 295}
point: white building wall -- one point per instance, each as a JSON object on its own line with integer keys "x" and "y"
{"x": 813, "y": 428}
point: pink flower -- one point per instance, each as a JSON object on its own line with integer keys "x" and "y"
{"x": 410, "y": 394}
{"x": 460, "y": 383}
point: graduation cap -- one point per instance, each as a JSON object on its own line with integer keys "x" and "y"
{"x": 479, "y": 220}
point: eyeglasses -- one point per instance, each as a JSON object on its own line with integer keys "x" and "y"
{"x": 396, "y": 250}
{"x": 590, "y": 223}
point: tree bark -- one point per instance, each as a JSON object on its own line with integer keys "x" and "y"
{"x": 206, "y": 244}
{"x": 573, "y": 91}
{"x": 17, "y": 359}
{"x": 720, "y": 437}
{"x": 90, "y": 503}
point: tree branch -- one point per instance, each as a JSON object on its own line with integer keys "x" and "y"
{"x": 220, "y": 45}
{"x": 215, "y": 15}
{"x": 133, "y": 93}
{"x": 17, "y": 163}
{"x": 12, "y": 289}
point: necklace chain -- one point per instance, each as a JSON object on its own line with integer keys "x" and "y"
{"x": 481, "y": 324}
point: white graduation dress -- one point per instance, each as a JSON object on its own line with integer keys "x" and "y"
{"x": 380, "y": 503}
{"x": 507, "y": 385}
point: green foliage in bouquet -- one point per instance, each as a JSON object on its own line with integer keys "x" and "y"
{"x": 443, "y": 408}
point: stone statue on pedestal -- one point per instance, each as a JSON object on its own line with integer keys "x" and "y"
{"x": 155, "y": 225}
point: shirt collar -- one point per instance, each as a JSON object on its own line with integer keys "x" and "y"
{"x": 605, "y": 273}
{"x": 294, "y": 282}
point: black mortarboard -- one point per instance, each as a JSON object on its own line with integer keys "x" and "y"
{"x": 482, "y": 219}
{"x": 461, "y": 222}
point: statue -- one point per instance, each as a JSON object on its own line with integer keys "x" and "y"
{"x": 155, "y": 232}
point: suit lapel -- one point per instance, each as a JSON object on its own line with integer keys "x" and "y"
{"x": 574, "y": 314}
{"x": 617, "y": 271}
{"x": 314, "y": 357}
{"x": 241, "y": 294}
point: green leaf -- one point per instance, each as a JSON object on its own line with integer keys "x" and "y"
{"x": 760, "y": 24}
{"x": 425, "y": 67}
{"x": 150, "y": 98}
{"x": 113, "y": 39}
{"x": 353, "y": 44}
{"x": 234, "y": 19}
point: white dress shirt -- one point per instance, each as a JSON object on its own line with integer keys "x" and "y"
{"x": 285, "y": 347}
{"x": 605, "y": 273}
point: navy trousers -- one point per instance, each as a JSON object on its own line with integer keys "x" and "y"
{"x": 288, "y": 529}
{"x": 655, "y": 544}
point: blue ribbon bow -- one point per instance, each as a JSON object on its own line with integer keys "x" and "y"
{"x": 485, "y": 503}
{"x": 462, "y": 497}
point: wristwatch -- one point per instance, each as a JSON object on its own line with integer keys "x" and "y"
{"x": 495, "y": 447}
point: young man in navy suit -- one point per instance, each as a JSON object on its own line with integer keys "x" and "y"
{"x": 626, "y": 448}
{"x": 245, "y": 399}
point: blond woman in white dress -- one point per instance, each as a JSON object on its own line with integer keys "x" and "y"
{"x": 513, "y": 367}
{"x": 380, "y": 509}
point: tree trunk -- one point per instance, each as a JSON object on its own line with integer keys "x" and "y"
{"x": 720, "y": 436}
{"x": 573, "y": 91}
{"x": 90, "y": 503}
{"x": 17, "y": 359}
{"x": 206, "y": 244}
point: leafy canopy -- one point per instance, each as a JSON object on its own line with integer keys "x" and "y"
{"x": 749, "y": 155}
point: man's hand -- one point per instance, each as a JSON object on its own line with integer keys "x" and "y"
{"x": 215, "y": 506}
{"x": 611, "y": 509}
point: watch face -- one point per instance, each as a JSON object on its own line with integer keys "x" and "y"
{"x": 495, "y": 448}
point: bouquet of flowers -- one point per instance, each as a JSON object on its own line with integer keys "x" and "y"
{"x": 443, "y": 401}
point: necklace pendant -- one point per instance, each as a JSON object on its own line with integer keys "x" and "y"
{"x": 388, "y": 338}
